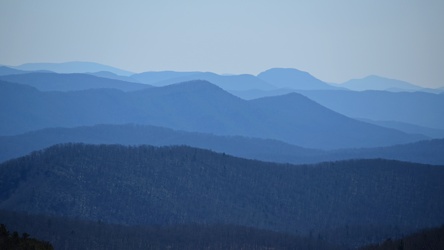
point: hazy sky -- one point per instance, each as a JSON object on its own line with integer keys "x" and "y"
{"x": 333, "y": 40}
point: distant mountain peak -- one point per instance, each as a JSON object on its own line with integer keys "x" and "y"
{"x": 293, "y": 70}
{"x": 293, "y": 79}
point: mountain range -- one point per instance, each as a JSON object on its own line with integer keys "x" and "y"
{"x": 93, "y": 156}
{"x": 373, "y": 82}
{"x": 227, "y": 82}
{"x": 72, "y": 67}
{"x": 272, "y": 79}
{"x": 71, "y": 82}
{"x": 196, "y": 106}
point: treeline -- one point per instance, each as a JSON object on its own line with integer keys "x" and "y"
{"x": 67, "y": 234}
{"x": 13, "y": 241}
{"x": 429, "y": 239}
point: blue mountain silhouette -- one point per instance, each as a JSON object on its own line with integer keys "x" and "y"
{"x": 196, "y": 106}
{"x": 71, "y": 82}
{"x": 293, "y": 79}
{"x": 72, "y": 67}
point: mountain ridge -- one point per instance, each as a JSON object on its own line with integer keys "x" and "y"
{"x": 71, "y": 82}
{"x": 196, "y": 106}
{"x": 72, "y": 67}
{"x": 374, "y": 82}
{"x": 426, "y": 152}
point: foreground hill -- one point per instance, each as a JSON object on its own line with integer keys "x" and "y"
{"x": 431, "y": 239}
{"x": 15, "y": 241}
{"x": 71, "y": 82}
{"x": 171, "y": 185}
{"x": 196, "y": 107}
{"x": 67, "y": 234}
{"x": 428, "y": 152}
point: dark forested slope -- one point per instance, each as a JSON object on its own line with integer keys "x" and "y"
{"x": 430, "y": 239}
{"x": 15, "y": 241}
{"x": 170, "y": 185}
{"x": 72, "y": 234}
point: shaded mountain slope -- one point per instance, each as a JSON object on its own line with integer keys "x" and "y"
{"x": 10, "y": 71}
{"x": 315, "y": 124}
{"x": 423, "y": 109}
{"x": 170, "y": 185}
{"x": 71, "y": 82}
{"x": 416, "y": 108}
{"x": 196, "y": 106}
{"x": 409, "y": 128}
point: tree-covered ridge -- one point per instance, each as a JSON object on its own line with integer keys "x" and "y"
{"x": 430, "y": 239}
{"x": 427, "y": 152}
{"x": 13, "y": 241}
{"x": 182, "y": 185}
{"x": 73, "y": 234}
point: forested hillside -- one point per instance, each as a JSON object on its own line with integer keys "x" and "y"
{"x": 430, "y": 239}
{"x": 15, "y": 241}
{"x": 182, "y": 185}
{"x": 71, "y": 234}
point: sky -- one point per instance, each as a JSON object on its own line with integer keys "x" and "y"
{"x": 333, "y": 40}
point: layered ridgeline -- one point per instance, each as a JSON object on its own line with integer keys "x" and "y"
{"x": 428, "y": 151}
{"x": 196, "y": 106}
{"x": 416, "y": 112}
{"x": 181, "y": 185}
